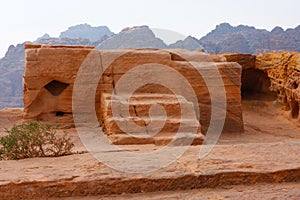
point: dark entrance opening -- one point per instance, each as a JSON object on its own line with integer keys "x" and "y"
{"x": 59, "y": 114}
{"x": 56, "y": 87}
{"x": 255, "y": 85}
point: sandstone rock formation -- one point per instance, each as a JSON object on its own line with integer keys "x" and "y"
{"x": 277, "y": 72}
{"x": 255, "y": 82}
{"x": 51, "y": 72}
{"x": 48, "y": 78}
{"x": 283, "y": 69}
{"x": 225, "y": 38}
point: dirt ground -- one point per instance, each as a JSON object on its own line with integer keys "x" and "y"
{"x": 270, "y": 142}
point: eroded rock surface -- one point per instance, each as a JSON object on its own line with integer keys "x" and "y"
{"x": 283, "y": 69}
{"x": 48, "y": 80}
{"x": 277, "y": 72}
{"x": 51, "y": 72}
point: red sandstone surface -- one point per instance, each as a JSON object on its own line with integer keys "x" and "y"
{"x": 266, "y": 153}
{"x": 259, "y": 160}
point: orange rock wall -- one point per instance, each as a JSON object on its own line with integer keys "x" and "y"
{"x": 283, "y": 69}
{"x": 283, "y": 72}
{"x": 44, "y": 65}
{"x": 49, "y": 67}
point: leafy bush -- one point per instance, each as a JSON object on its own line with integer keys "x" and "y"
{"x": 34, "y": 139}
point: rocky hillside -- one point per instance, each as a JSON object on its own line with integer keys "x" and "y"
{"x": 86, "y": 31}
{"x": 11, "y": 73}
{"x": 247, "y": 39}
{"x": 189, "y": 43}
{"x": 135, "y": 37}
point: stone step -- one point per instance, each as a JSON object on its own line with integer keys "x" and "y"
{"x": 182, "y": 139}
{"x": 172, "y": 110}
{"x": 124, "y": 139}
{"x": 136, "y": 127}
{"x": 155, "y": 125}
{"x": 147, "y": 97}
{"x": 139, "y": 105}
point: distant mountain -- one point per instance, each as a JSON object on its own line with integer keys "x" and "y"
{"x": 236, "y": 42}
{"x": 135, "y": 37}
{"x": 189, "y": 43}
{"x": 11, "y": 77}
{"x": 45, "y": 36}
{"x": 247, "y": 39}
{"x": 64, "y": 41}
{"x": 86, "y": 31}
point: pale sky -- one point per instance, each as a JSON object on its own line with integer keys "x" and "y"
{"x": 26, "y": 20}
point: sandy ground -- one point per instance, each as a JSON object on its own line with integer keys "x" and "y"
{"x": 271, "y": 142}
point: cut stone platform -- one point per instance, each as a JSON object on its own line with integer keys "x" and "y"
{"x": 51, "y": 74}
{"x": 156, "y": 130}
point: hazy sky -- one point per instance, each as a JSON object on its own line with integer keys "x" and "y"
{"x": 26, "y": 20}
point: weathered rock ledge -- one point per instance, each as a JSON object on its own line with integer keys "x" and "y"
{"x": 82, "y": 175}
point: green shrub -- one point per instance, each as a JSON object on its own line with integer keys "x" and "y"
{"x": 34, "y": 139}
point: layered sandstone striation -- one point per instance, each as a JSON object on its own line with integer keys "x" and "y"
{"x": 255, "y": 81}
{"x": 117, "y": 126}
{"x": 277, "y": 72}
{"x": 283, "y": 69}
{"x": 51, "y": 72}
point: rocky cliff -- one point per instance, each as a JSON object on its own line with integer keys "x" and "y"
{"x": 283, "y": 69}
{"x": 273, "y": 74}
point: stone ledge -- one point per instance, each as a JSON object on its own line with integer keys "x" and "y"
{"x": 83, "y": 175}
